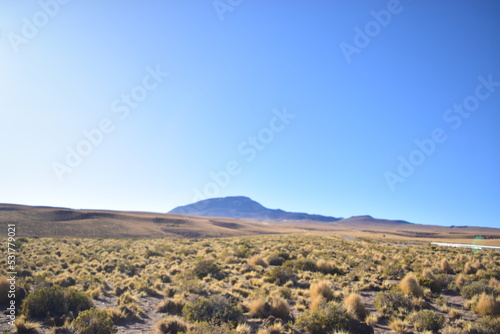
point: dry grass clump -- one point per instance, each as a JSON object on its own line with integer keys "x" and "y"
{"x": 259, "y": 308}
{"x": 455, "y": 313}
{"x": 170, "y": 306}
{"x": 355, "y": 307}
{"x": 280, "y": 308}
{"x": 472, "y": 267}
{"x": 445, "y": 266}
{"x": 171, "y": 325}
{"x": 321, "y": 289}
{"x": 495, "y": 284}
{"x": 244, "y": 329}
{"x": 452, "y": 330}
{"x": 410, "y": 286}
{"x": 397, "y": 325}
{"x": 371, "y": 320}
{"x": 24, "y": 326}
{"x": 257, "y": 260}
{"x": 427, "y": 273}
{"x": 326, "y": 267}
{"x": 487, "y": 305}
{"x": 460, "y": 280}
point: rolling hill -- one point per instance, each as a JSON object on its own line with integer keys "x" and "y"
{"x": 37, "y": 221}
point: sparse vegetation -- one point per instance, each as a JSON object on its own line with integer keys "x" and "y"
{"x": 268, "y": 284}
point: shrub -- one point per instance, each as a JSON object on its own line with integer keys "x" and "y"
{"x": 392, "y": 302}
{"x": 487, "y": 305}
{"x": 410, "y": 286}
{"x": 303, "y": 264}
{"x": 476, "y": 288}
{"x": 204, "y": 268}
{"x": 324, "y": 319}
{"x": 55, "y": 302}
{"x": 322, "y": 289}
{"x": 171, "y": 325}
{"x": 426, "y": 320}
{"x": 487, "y": 325}
{"x": 275, "y": 260}
{"x": 93, "y": 321}
{"x": 354, "y": 306}
{"x": 215, "y": 309}
{"x": 280, "y": 275}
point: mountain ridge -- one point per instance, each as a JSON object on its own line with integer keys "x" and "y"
{"x": 243, "y": 207}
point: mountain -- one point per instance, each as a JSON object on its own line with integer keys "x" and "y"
{"x": 370, "y": 221}
{"x": 38, "y": 221}
{"x": 244, "y": 208}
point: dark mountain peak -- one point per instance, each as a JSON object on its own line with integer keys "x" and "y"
{"x": 363, "y": 217}
{"x": 243, "y": 207}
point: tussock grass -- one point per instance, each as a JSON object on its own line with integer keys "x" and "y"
{"x": 355, "y": 307}
{"x": 410, "y": 286}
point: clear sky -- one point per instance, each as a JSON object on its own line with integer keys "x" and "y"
{"x": 341, "y": 108}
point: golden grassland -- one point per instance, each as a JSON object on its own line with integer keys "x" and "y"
{"x": 294, "y": 283}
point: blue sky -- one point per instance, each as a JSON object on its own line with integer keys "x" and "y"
{"x": 309, "y": 106}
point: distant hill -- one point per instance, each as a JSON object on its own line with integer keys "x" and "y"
{"x": 244, "y": 208}
{"x": 370, "y": 221}
{"x": 37, "y": 221}
{"x": 40, "y": 221}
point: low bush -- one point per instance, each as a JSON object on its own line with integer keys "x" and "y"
{"x": 392, "y": 302}
{"x": 93, "y": 321}
{"x": 203, "y": 268}
{"x": 215, "y": 309}
{"x": 324, "y": 319}
{"x": 55, "y": 302}
{"x": 487, "y": 325}
{"x": 426, "y": 320}
{"x": 476, "y": 288}
{"x": 280, "y": 275}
